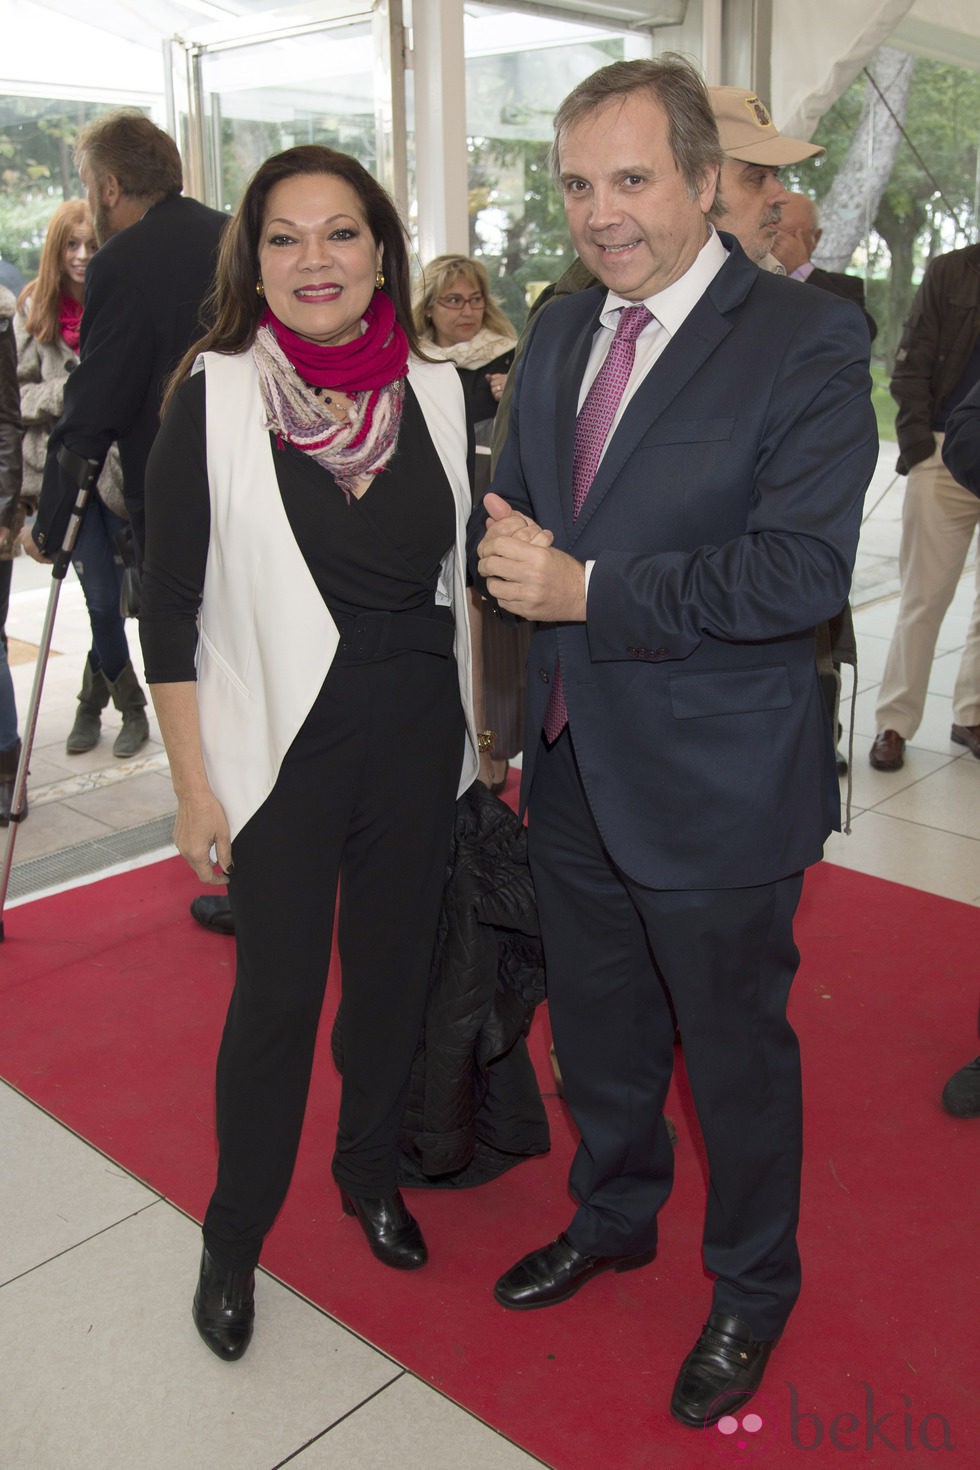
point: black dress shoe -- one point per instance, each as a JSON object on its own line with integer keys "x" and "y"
{"x": 961, "y": 1095}
{"x": 720, "y": 1373}
{"x": 556, "y": 1272}
{"x": 214, "y": 913}
{"x": 392, "y": 1233}
{"x": 224, "y": 1307}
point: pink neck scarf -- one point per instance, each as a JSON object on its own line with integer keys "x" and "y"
{"x": 370, "y": 371}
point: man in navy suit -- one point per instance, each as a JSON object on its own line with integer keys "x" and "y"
{"x": 672, "y": 816}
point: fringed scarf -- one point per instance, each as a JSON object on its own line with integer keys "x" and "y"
{"x": 370, "y": 371}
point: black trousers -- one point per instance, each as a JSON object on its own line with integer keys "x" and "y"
{"x": 363, "y": 803}
{"x": 619, "y": 956}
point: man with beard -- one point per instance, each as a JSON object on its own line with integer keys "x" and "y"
{"x": 750, "y": 194}
{"x": 143, "y": 294}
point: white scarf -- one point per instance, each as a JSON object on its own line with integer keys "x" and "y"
{"x": 482, "y": 348}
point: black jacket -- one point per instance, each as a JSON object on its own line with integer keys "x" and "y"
{"x": 143, "y": 295}
{"x": 937, "y": 340}
{"x": 474, "y": 1108}
{"x": 842, "y": 284}
{"x": 11, "y": 428}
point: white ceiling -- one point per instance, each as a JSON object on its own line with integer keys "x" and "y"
{"x": 828, "y": 44}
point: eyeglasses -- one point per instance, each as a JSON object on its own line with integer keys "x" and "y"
{"x": 456, "y": 303}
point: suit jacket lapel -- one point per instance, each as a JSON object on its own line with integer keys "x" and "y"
{"x": 575, "y": 357}
{"x": 683, "y": 356}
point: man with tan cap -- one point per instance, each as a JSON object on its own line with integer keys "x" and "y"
{"x": 750, "y": 195}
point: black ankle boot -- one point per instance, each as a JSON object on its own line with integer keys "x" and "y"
{"x": 224, "y": 1307}
{"x": 392, "y": 1233}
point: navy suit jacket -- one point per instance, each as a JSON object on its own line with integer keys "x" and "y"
{"x": 142, "y": 310}
{"x": 723, "y": 522}
{"x": 961, "y": 444}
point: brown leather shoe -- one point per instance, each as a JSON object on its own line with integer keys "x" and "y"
{"x": 888, "y": 751}
{"x": 968, "y": 735}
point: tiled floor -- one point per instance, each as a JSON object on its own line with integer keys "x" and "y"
{"x": 81, "y": 1241}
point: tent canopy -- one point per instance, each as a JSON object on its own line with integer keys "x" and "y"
{"x": 816, "y": 51}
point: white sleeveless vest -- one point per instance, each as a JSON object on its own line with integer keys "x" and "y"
{"x": 266, "y": 640}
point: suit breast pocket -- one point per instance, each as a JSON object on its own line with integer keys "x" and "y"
{"x": 689, "y": 431}
{"x": 729, "y": 692}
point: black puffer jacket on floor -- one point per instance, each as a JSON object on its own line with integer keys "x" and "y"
{"x": 474, "y": 1107}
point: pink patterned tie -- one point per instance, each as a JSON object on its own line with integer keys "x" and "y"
{"x": 591, "y": 432}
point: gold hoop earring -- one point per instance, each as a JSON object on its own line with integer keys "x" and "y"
{"x": 259, "y": 289}
{"x": 379, "y": 279}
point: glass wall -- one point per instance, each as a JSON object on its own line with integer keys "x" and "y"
{"x": 37, "y": 138}
{"x": 519, "y": 67}
{"x": 257, "y": 99}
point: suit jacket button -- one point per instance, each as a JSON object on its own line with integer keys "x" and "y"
{"x": 544, "y": 676}
{"x": 633, "y": 652}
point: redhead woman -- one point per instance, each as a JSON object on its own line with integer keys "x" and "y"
{"x": 48, "y": 323}
{"x": 306, "y": 500}
{"x": 458, "y": 319}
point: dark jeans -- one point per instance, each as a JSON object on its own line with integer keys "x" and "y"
{"x": 100, "y": 575}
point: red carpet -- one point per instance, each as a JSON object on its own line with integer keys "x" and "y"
{"x": 111, "y": 1003}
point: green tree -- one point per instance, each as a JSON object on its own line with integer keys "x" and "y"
{"x": 37, "y": 136}
{"x": 928, "y": 205}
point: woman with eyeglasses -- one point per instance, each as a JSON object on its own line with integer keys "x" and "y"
{"x": 458, "y": 319}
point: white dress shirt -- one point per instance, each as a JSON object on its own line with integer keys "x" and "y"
{"x": 669, "y": 310}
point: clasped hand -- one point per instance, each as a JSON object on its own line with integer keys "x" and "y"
{"x": 524, "y": 572}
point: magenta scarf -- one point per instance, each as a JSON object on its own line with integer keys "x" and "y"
{"x": 69, "y": 320}
{"x": 373, "y": 360}
{"x": 370, "y": 371}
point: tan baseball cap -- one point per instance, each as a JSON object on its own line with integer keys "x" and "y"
{"x": 749, "y": 134}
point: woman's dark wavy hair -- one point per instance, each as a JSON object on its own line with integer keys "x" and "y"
{"x": 233, "y": 306}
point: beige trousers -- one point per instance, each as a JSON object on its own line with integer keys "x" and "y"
{"x": 939, "y": 518}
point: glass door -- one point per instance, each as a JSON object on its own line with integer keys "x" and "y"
{"x": 330, "y": 72}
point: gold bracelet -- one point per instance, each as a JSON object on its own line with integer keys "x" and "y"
{"x": 485, "y": 739}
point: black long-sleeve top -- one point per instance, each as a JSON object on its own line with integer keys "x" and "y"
{"x": 381, "y": 552}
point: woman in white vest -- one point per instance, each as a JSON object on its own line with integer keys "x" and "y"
{"x": 305, "y": 639}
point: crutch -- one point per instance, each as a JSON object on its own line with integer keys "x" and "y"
{"x": 84, "y": 472}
